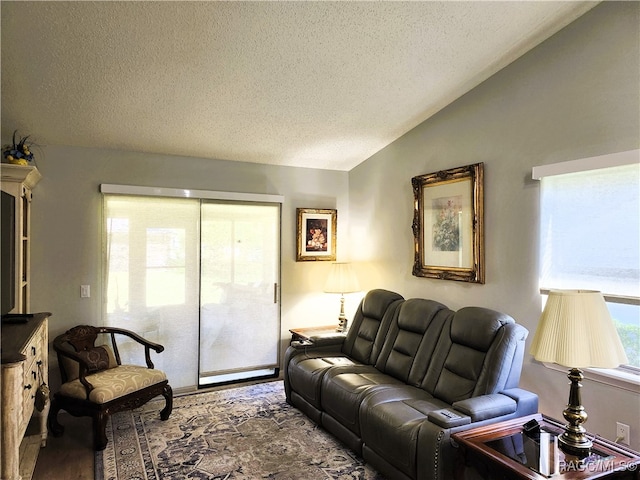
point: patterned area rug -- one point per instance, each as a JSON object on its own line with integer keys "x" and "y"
{"x": 240, "y": 433}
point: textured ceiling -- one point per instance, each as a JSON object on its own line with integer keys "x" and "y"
{"x": 313, "y": 84}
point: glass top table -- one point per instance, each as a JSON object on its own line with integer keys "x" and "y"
{"x": 505, "y": 449}
{"x": 540, "y": 452}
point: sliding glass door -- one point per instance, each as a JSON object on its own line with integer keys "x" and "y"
{"x": 239, "y": 308}
{"x": 199, "y": 277}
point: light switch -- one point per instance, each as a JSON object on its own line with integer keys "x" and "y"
{"x": 85, "y": 291}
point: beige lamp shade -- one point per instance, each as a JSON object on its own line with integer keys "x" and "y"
{"x": 576, "y": 331}
{"x": 342, "y": 279}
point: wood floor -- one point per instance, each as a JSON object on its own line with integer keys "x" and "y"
{"x": 69, "y": 457}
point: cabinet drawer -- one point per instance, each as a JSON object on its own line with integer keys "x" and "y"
{"x": 28, "y": 402}
{"x": 33, "y": 370}
{"x": 30, "y": 379}
{"x": 33, "y": 349}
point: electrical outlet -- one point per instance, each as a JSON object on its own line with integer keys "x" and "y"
{"x": 622, "y": 433}
{"x": 85, "y": 291}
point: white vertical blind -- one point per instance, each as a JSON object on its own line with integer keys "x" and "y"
{"x": 240, "y": 318}
{"x": 152, "y": 277}
{"x": 590, "y": 230}
{"x": 174, "y": 262}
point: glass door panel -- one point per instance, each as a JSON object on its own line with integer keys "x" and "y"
{"x": 152, "y": 280}
{"x": 239, "y": 305}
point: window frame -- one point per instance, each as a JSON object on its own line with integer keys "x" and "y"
{"x": 626, "y": 377}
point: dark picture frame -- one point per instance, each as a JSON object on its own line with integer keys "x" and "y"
{"x": 316, "y": 234}
{"x": 448, "y": 224}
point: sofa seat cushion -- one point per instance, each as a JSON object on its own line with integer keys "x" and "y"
{"x": 113, "y": 383}
{"x": 343, "y": 389}
{"x": 391, "y": 428}
{"x": 305, "y": 374}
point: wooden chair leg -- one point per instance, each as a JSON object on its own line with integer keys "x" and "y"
{"x": 99, "y": 430}
{"x": 167, "y": 393}
{"x": 52, "y": 419}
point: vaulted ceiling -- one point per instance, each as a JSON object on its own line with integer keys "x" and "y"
{"x": 303, "y": 83}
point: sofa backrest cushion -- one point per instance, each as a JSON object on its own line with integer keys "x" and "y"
{"x": 479, "y": 352}
{"x": 411, "y": 339}
{"x": 370, "y": 325}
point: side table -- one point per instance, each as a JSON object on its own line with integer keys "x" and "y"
{"x": 503, "y": 451}
{"x": 305, "y": 334}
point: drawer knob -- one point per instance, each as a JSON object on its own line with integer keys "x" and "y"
{"x": 27, "y": 387}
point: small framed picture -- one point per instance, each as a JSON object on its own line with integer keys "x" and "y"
{"x": 316, "y": 234}
{"x": 448, "y": 224}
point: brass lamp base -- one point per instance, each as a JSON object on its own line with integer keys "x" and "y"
{"x": 342, "y": 325}
{"x": 342, "y": 319}
{"x": 574, "y": 440}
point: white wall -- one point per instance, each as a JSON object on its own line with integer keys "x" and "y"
{"x": 574, "y": 96}
{"x": 67, "y": 228}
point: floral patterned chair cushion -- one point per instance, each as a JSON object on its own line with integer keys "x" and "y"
{"x": 113, "y": 383}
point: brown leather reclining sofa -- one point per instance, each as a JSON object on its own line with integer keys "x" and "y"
{"x": 407, "y": 375}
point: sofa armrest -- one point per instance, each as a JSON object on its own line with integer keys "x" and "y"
{"x": 321, "y": 341}
{"x": 448, "y": 418}
{"x": 328, "y": 339}
{"x": 527, "y": 401}
{"x": 486, "y": 406}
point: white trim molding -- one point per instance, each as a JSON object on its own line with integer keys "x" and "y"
{"x": 583, "y": 164}
{"x": 615, "y": 377}
{"x": 188, "y": 193}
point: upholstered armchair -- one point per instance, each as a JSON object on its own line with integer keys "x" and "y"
{"x": 96, "y": 384}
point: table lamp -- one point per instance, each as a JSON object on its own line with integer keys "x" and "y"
{"x": 342, "y": 279}
{"x": 576, "y": 331}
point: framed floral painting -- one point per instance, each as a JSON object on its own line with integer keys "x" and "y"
{"x": 316, "y": 234}
{"x": 448, "y": 224}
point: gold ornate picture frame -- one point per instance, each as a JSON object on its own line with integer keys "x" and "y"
{"x": 448, "y": 224}
{"x": 316, "y": 234}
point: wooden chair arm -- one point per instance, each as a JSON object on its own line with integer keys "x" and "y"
{"x": 148, "y": 345}
{"x": 83, "y": 366}
{"x": 155, "y": 346}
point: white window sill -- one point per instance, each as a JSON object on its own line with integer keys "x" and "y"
{"x": 615, "y": 377}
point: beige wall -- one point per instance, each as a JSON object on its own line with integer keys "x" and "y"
{"x": 67, "y": 229}
{"x": 574, "y": 96}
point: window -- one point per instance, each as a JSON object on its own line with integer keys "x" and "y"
{"x": 590, "y": 236}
